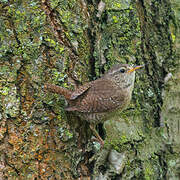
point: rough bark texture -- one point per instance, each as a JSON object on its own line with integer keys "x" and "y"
{"x": 71, "y": 42}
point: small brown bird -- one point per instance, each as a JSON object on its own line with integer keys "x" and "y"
{"x": 99, "y": 100}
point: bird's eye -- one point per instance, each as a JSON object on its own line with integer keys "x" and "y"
{"x": 123, "y": 70}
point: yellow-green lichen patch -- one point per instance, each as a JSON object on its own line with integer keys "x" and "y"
{"x": 10, "y": 101}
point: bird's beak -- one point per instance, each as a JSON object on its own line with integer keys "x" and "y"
{"x": 134, "y": 68}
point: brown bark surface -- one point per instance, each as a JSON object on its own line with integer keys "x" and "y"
{"x": 68, "y": 43}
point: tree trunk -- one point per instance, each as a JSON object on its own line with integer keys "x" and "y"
{"x": 71, "y": 42}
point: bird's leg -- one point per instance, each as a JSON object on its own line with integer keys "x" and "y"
{"x": 98, "y": 138}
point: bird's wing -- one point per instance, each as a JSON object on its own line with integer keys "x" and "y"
{"x": 101, "y": 96}
{"x": 80, "y": 91}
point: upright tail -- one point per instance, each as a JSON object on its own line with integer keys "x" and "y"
{"x": 59, "y": 90}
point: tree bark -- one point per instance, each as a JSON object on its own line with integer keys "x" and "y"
{"x": 68, "y": 43}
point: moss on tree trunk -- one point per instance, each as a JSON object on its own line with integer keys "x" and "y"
{"x": 58, "y": 41}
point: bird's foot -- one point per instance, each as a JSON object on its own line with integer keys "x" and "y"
{"x": 97, "y": 138}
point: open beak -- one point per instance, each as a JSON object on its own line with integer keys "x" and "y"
{"x": 134, "y": 68}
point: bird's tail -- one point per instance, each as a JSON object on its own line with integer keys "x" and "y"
{"x": 59, "y": 90}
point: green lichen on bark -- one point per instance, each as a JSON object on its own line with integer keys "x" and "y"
{"x": 38, "y": 137}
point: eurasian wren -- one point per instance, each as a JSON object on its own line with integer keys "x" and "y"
{"x": 99, "y": 100}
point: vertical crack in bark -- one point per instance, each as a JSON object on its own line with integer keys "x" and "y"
{"x": 158, "y": 70}
{"x": 59, "y": 30}
{"x": 91, "y": 58}
{"x": 91, "y": 32}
